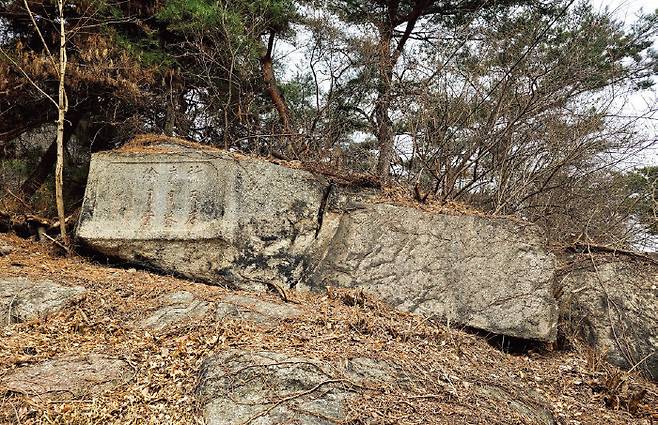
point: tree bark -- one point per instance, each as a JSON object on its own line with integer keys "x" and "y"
{"x": 388, "y": 58}
{"x": 38, "y": 177}
{"x": 63, "y": 106}
{"x": 171, "y": 109}
{"x": 277, "y": 98}
{"x": 384, "y": 129}
{"x": 170, "y": 119}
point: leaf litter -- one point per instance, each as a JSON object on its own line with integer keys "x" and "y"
{"x": 451, "y": 376}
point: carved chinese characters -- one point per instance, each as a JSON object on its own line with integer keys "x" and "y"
{"x": 161, "y": 199}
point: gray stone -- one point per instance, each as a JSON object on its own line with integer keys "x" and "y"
{"x": 177, "y": 307}
{"x": 614, "y": 307}
{"x": 490, "y": 274}
{"x": 203, "y": 214}
{"x": 364, "y": 370}
{"x": 68, "y": 377}
{"x": 244, "y": 222}
{"x": 238, "y": 387}
{"x": 252, "y": 309}
{"x": 528, "y": 405}
{"x": 5, "y": 250}
{"x": 23, "y": 299}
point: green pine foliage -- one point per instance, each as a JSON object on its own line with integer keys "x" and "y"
{"x": 643, "y": 186}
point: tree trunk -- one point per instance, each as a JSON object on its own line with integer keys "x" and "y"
{"x": 171, "y": 109}
{"x": 384, "y": 129}
{"x": 47, "y": 161}
{"x": 273, "y": 91}
{"x": 170, "y": 119}
{"x": 63, "y": 106}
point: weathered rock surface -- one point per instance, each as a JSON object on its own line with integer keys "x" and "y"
{"x": 182, "y": 306}
{"x": 205, "y": 215}
{"x": 530, "y": 407}
{"x": 614, "y": 307}
{"x": 6, "y": 250}
{"x": 252, "y": 309}
{"x": 177, "y": 307}
{"x": 68, "y": 377}
{"x": 262, "y": 388}
{"x": 22, "y": 299}
{"x": 244, "y": 222}
{"x": 490, "y": 274}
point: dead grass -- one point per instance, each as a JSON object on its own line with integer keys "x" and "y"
{"x": 157, "y": 143}
{"x": 400, "y": 195}
{"x": 446, "y": 368}
{"x": 392, "y": 194}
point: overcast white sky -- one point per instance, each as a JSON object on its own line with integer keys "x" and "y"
{"x": 623, "y": 10}
{"x": 627, "y": 11}
{"x": 627, "y": 8}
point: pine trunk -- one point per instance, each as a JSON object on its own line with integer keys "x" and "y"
{"x": 40, "y": 173}
{"x": 273, "y": 91}
{"x": 384, "y": 124}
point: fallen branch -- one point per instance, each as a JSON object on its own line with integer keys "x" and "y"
{"x": 277, "y": 403}
{"x": 583, "y": 248}
{"x": 56, "y": 242}
{"x": 19, "y": 199}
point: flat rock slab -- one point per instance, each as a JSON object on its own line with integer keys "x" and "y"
{"x": 238, "y": 387}
{"x": 252, "y": 309}
{"x": 23, "y": 299}
{"x": 528, "y": 407}
{"x": 182, "y": 306}
{"x": 68, "y": 377}
{"x": 614, "y": 307}
{"x": 490, "y": 274}
{"x": 178, "y": 307}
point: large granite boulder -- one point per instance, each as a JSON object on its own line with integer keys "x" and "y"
{"x": 23, "y": 299}
{"x": 491, "y": 274}
{"x": 249, "y": 223}
{"x": 206, "y": 215}
{"x": 612, "y": 304}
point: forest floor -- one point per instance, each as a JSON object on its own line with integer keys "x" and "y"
{"x": 459, "y": 377}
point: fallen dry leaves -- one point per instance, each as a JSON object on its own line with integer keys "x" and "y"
{"x": 446, "y": 370}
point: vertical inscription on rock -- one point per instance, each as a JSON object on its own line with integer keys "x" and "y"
{"x": 160, "y": 200}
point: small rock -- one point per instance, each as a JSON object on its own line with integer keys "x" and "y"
{"x": 529, "y": 405}
{"x": 23, "y": 299}
{"x": 30, "y": 351}
{"x": 178, "y": 307}
{"x": 6, "y": 250}
{"x": 239, "y": 386}
{"x": 256, "y": 310}
{"x": 68, "y": 377}
{"x": 363, "y": 370}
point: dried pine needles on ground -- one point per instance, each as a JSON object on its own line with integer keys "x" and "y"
{"x": 449, "y": 376}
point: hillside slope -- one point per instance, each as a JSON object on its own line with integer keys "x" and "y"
{"x": 138, "y": 347}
